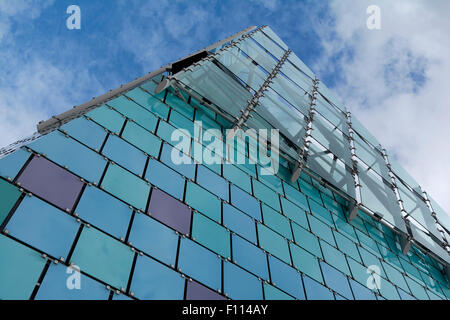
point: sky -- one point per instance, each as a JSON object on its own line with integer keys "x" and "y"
{"x": 394, "y": 79}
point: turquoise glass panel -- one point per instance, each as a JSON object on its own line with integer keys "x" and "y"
{"x": 125, "y": 154}
{"x": 126, "y": 186}
{"x": 347, "y": 246}
{"x": 250, "y": 257}
{"x": 361, "y": 292}
{"x": 108, "y": 118}
{"x": 178, "y": 161}
{"x": 165, "y": 178}
{"x": 395, "y": 276}
{"x": 211, "y": 235}
{"x": 295, "y": 196}
{"x": 334, "y": 257}
{"x": 306, "y": 240}
{"x": 272, "y": 293}
{"x": 213, "y": 182}
{"x": 20, "y": 268}
{"x": 294, "y": 212}
{"x": 388, "y": 290}
{"x": 103, "y": 257}
{"x": 239, "y": 222}
{"x": 276, "y": 221}
{"x": 273, "y": 243}
{"x": 336, "y": 281}
{"x": 237, "y": 177}
{"x": 321, "y": 213}
{"x": 135, "y": 112}
{"x": 67, "y": 152}
{"x": 239, "y": 284}
{"x": 245, "y": 202}
{"x": 179, "y": 105}
{"x": 203, "y": 201}
{"x": 154, "y": 238}
{"x": 12, "y": 163}
{"x": 142, "y": 139}
{"x": 267, "y": 195}
{"x": 286, "y": 278}
{"x": 149, "y": 102}
{"x": 321, "y": 230}
{"x": 85, "y": 131}
{"x": 306, "y": 262}
{"x": 9, "y": 194}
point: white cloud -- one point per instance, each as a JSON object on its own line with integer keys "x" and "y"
{"x": 379, "y": 70}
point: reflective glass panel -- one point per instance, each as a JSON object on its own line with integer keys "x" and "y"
{"x": 135, "y": 112}
{"x": 165, "y": 178}
{"x": 239, "y": 222}
{"x": 125, "y": 154}
{"x": 286, "y": 278}
{"x": 211, "y": 235}
{"x": 250, "y": 257}
{"x": 273, "y": 243}
{"x": 203, "y": 201}
{"x": 213, "y": 182}
{"x": 108, "y": 118}
{"x": 85, "y": 131}
{"x": 245, "y": 202}
{"x": 9, "y": 194}
{"x": 142, "y": 139}
{"x": 239, "y": 284}
{"x": 12, "y": 163}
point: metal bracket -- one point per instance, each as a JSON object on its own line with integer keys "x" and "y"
{"x": 405, "y": 243}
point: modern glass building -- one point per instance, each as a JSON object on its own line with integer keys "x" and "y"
{"x": 96, "y": 204}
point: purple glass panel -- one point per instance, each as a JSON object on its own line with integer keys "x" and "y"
{"x": 196, "y": 291}
{"x": 170, "y": 211}
{"x": 52, "y": 183}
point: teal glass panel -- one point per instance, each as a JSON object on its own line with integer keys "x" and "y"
{"x": 311, "y": 191}
{"x": 20, "y": 268}
{"x": 85, "y": 131}
{"x": 165, "y": 178}
{"x": 181, "y": 122}
{"x": 211, "y": 235}
{"x": 200, "y": 264}
{"x": 9, "y": 194}
{"x": 286, "y": 278}
{"x": 321, "y": 230}
{"x": 239, "y": 284}
{"x": 67, "y": 152}
{"x": 315, "y": 291}
{"x": 150, "y": 86}
{"x": 142, "y": 139}
{"x": 203, "y": 201}
{"x": 54, "y": 237}
{"x": 306, "y": 262}
{"x": 154, "y": 238}
{"x": 272, "y": 181}
{"x": 371, "y": 260}
{"x": 165, "y": 131}
{"x": 135, "y": 112}
{"x": 237, "y": 177}
{"x": 11, "y": 164}
{"x": 103, "y": 257}
{"x": 273, "y": 293}
{"x": 295, "y": 196}
{"x": 104, "y": 211}
{"x": 212, "y": 182}
{"x": 347, "y": 246}
{"x": 251, "y": 48}
{"x": 245, "y": 202}
{"x": 395, "y": 276}
{"x": 276, "y": 221}
{"x": 125, "y": 154}
{"x": 149, "y": 102}
{"x": 154, "y": 281}
{"x": 239, "y": 222}
{"x": 361, "y": 292}
{"x": 321, "y": 213}
{"x": 183, "y": 163}
{"x": 273, "y": 243}
{"x": 108, "y": 118}
{"x": 367, "y": 242}
{"x": 345, "y": 228}
{"x": 388, "y": 290}
{"x": 333, "y": 206}
{"x": 359, "y": 272}
{"x": 266, "y": 194}
{"x": 336, "y": 281}
{"x": 334, "y": 257}
{"x": 294, "y": 212}
{"x": 179, "y": 105}
{"x": 55, "y": 285}
{"x": 417, "y": 290}
{"x": 126, "y": 186}
{"x": 306, "y": 240}
{"x": 250, "y": 257}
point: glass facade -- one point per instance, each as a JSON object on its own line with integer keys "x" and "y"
{"x": 102, "y": 201}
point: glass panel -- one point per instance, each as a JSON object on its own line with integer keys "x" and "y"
{"x": 142, "y": 139}
{"x": 54, "y": 237}
{"x": 426, "y": 241}
{"x": 180, "y": 121}
{"x": 71, "y": 154}
{"x": 213, "y": 182}
{"x": 300, "y": 65}
{"x": 9, "y": 194}
{"x": 316, "y": 291}
{"x": 186, "y": 166}
{"x": 336, "y": 281}
{"x": 268, "y": 44}
{"x": 51, "y": 182}
{"x": 330, "y": 96}
{"x": 126, "y": 186}
{"x": 12, "y": 163}
{"x": 103, "y": 257}
{"x": 239, "y": 284}
{"x": 239, "y": 222}
{"x": 170, "y": 211}
{"x": 245, "y": 202}
{"x": 276, "y": 221}
{"x": 154, "y": 281}
{"x": 125, "y": 154}
{"x": 295, "y": 196}
{"x": 294, "y": 73}
{"x": 86, "y": 132}
{"x": 418, "y": 291}
{"x": 388, "y": 290}
{"x": 395, "y": 276}
{"x": 333, "y": 115}
{"x": 371, "y": 157}
{"x": 103, "y": 211}
{"x": 200, "y": 264}
{"x": 211, "y": 235}
{"x": 335, "y": 258}
{"x": 149, "y": 102}
{"x": 250, "y": 257}
{"x": 360, "y": 292}
{"x": 154, "y": 238}
{"x": 347, "y": 246}
{"x": 179, "y": 105}
{"x": 286, "y": 278}
{"x": 290, "y": 97}
{"x": 259, "y": 55}
{"x": 364, "y": 133}
{"x": 306, "y": 240}
{"x": 150, "y": 86}
{"x": 196, "y": 291}
{"x": 55, "y": 286}
{"x": 237, "y": 177}
{"x": 203, "y": 201}
{"x": 272, "y": 293}
{"x": 135, "y": 112}
{"x": 321, "y": 213}
{"x": 20, "y": 268}
{"x": 165, "y": 178}
{"x": 266, "y": 195}
{"x": 306, "y": 262}
{"x": 273, "y": 243}
{"x": 269, "y": 32}
{"x": 108, "y": 118}
{"x": 321, "y": 230}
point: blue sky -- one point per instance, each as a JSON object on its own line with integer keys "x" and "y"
{"x": 390, "y": 78}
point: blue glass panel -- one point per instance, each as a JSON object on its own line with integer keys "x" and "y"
{"x": 142, "y": 139}
{"x": 274, "y": 243}
{"x": 200, "y": 264}
{"x": 294, "y": 212}
{"x": 125, "y": 154}
{"x": 286, "y": 278}
{"x": 361, "y": 292}
{"x": 212, "y": 182}
{"x": 186, "y": 169}
{"x": 336, "y": 281}
{"x": 250, "y": 257}
{"x": 108, "y": 118}
{"x": 165, "y": 179}
{"x": 347, "y": 246}
{"x": 203, "y": 201}
{"x": 55, "y": 236}
{"x": 245, "y": 202}
{"x": 316, "y": 291}
{"x": 239, "y": 284}
{"x": 321, "y": 230}
{"x": 306, "y": 240}
{"x": 154, "y": 281}
{"x": 334, "y": 257}
{"x": 306, "y": 262}
{"x": 154, "y": 238}
{"x": 266, "y": 194}
{"x": 239, "y": 222}
{"x": 65, "y": 283}
{"x": 212, "y": 235}
{"x": 296, "y": 196}
{"x": 272, "y": 293}
{"x": 85, "y": 131}
{"x": 276, "y": 221}
{"x": 237, "y": 177}
{"x": 12, "y": 163}
{"x": 103, "y": 211}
